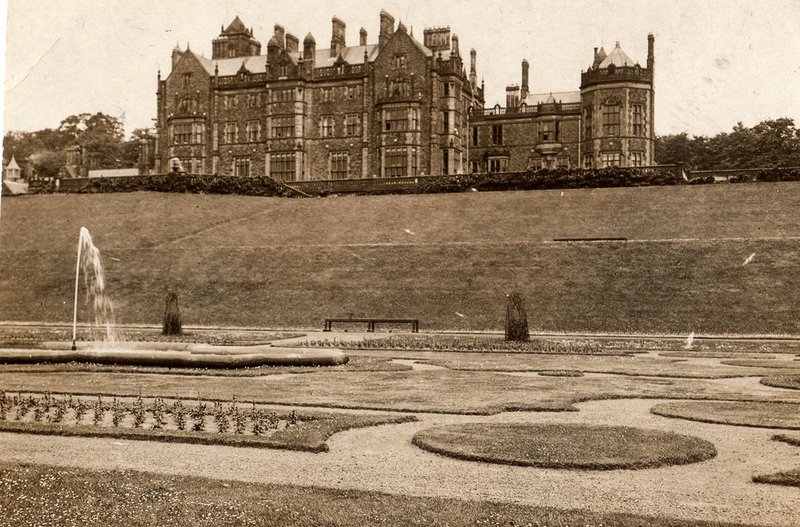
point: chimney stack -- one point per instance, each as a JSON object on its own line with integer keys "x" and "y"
{"x": 280, "y": 36}
{"x": 454, "y": 47}
{"x": 651, "y": 59}
{"x": 362, "y": 37}
{"x": 292, "y": 43}
{"x": 473, "y": 73}
{"x": 387, "y": 28}
{"x": 525, "y": 74}
{"x": 337, "y": 36}
{"x": 512, "y": 96}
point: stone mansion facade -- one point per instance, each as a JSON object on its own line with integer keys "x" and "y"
{"x": 608, "y": 122}
{"x": 395, "y": 108}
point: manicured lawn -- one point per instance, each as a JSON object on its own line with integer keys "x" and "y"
{"x": 443, "y": 391}
{"x": 569, "y": 446}
{"x": 758, "y": 414}
{"x": 38, "y": 495}
{"x": 621, "y": 365}
{"x": 291, "y": 263}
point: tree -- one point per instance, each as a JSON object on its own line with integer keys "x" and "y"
{"x": 172, "y": 314}
{"x": 770, "y": 143}
{"x": 516, "y": 319}
{"x": 130, "y": 148}
{"x": 100, "y": 134}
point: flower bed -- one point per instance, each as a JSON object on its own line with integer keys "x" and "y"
{"x": 466, "y": 344}
{"x": 739, "y": 413}
{"x": 569, "y": 446}
{"x": 206, "y": 422}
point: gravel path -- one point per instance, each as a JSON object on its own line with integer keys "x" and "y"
{"x": 383, "y": 458}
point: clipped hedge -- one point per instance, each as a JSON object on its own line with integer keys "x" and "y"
{"x": 545, "y": 179}
{"x": 184, "y": 183}
{"x": 767, "y": 175}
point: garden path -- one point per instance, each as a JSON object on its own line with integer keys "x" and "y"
{"x": 382, "y": 458}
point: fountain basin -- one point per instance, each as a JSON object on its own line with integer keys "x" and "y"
{"x": 175, "y": 355}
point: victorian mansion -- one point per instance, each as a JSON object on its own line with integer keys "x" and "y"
{"x": 398, "y": 107}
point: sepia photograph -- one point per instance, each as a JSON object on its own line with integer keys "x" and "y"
{"x": 410, "y": 262}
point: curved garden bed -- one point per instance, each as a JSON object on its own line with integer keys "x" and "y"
{"x": 791, "y": 382}
{"x": 177, "y": 355}
{"x": 200, "y": 422}
{"x": 566, "y": 446}
{"x": 738, "y": 413}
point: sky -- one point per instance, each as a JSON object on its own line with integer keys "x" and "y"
{"x": 717, "y": 62}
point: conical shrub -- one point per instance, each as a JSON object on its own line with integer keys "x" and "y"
{"x": 516, "y": 319}
{"x": 172, "y": 314}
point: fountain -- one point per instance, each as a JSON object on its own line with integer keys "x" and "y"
{"x": 91, "y": 265}
{"x": 163, "y": 354}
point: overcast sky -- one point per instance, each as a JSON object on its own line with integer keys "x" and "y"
{"x": 717, "y": 62}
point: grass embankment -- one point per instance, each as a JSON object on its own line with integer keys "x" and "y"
{"x": 568, "y": 446}
{"x": 447, "y": 259}
{"x": 232, "y": 424}
{"x": 34, "y": 494}
{"x": 738, "y": 413}
{"x": 15, "y": 337}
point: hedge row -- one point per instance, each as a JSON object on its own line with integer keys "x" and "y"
{"x": 529, "y": 180}
{"x": 251, "y": 186}
{"x": 544, "y": 179}
{"x": 768, "y": 175}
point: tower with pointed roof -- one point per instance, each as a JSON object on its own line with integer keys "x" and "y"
{"x": 608, "y": 122}
{"x": 235, "y": 41}
{"x": 617, "y": 109}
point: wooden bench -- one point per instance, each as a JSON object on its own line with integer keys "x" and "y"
{"x": 371, "y": 322}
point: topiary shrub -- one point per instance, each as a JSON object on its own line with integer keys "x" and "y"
{"x": 172, "y": 314}
{"x": 516, "y": 319}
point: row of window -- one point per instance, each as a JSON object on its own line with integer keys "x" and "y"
{"x": 350, "y": 127}
{"x": 188, "y": 133}
{"x": 246, "y": 100}
{"x": 283, "y": 165}
{"x": 612, "y": 120}
{"x": 614, "y": 159}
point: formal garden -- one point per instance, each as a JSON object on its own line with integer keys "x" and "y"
{"x": 208, "y": 398}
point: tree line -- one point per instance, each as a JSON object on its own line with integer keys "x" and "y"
{"x": 773, "y": 143}
{"x": 102, "y": 135}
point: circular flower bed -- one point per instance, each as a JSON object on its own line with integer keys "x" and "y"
{"x": 756, "y": 414}
{"x": 570, "y": 446}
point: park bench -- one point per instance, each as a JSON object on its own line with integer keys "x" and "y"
{"x": 371, "y": 322}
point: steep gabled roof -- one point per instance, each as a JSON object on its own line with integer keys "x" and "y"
{"x": 565, "y": 97}
{"x": 351, "y": 54}
{"x": 237, "y": 26}
{"x": 618, "y": 58}
{"x": 13, "y": 164}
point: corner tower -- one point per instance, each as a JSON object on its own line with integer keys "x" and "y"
{"x": 235, "y": 41}
{"x": 617, "y": 110}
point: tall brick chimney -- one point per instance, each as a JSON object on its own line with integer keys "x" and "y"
{"x": 387, "y": 28}
{"x": 292, "y": 43}
{"x": 525, "y": 73}
{"x": 337, "y": 36}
